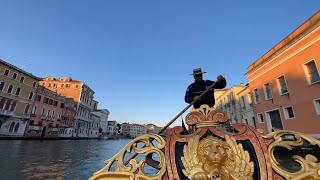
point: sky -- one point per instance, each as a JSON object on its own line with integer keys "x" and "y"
{"x": 137, "y": 55}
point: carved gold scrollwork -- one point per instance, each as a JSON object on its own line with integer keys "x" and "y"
{"x": 310, "y": 167}
{"x": 134, "y": 170}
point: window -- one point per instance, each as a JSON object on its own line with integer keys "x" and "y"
{"x": 260, "y": 118}
{"x": 34, "y": 84}
{"x": 43, "y": 112}
{"x": 34, "y": 110}
{"x": 13, "y": 105}
{"x": 38, "y": 98}
{"x": 18, "y": 91}
{"x": 1, "y": 86}
{"x": 282, "y": 85}
{"x": 267, "y": 91}
{"x": 48, "y": 114}
{"x": 26, "y": 110}
{"x": 21, "y": 79}
{"x": 67, "y": 85}
{"x": 50, "y": 101}
{"x": 14, "y": 76}
{"x": 312, "y": 72}
{"x": 256, "y": 96}
{"x": 11, "y": 126}
{"x": 55, "y": 103}
{"x": 45, "y": 100}
{"x": 288, "y": 112}
{"x": 30, "y": 95}
{"x": 62, "y": 105}
{"x": 52, "y": 113}
{"x": 6, "y": 72}
{"x": 16, "y": 128}
{"x": 62, "y": 85}
{"x": 317, "y": 105}
{"x": 10, "y": 89}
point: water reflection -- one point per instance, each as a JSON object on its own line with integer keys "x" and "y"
{"x": 55, "y": 159}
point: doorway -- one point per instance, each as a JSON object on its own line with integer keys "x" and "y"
{"x": 43, "y": 133}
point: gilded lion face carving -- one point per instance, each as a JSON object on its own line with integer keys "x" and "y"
{"x": 214, "y": 158}
{"x": 212, "y": 153}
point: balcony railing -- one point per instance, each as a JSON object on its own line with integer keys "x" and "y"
{"x": 26, "y": 116}
{"x": 36, "y": 128}
{"x": 6, "y": 112}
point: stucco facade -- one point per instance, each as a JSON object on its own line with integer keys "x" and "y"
{"x": 104, "y": 115}
{"x": 17, "y": 94}
{"x": 45, "y": 114}
{"x": 81, "y": 93}
{"x": 285, "y": 82}
{"x": 229, "y": 102}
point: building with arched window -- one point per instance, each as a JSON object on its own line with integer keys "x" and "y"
{"x": 17, "y": 89}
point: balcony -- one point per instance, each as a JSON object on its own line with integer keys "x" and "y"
{"x": 6, "y": 112}
{"x": 43, "y": 117}
{"x": 26, "y": 116}
{"x": 53, "y": 129}
{"x": 35, "y": 128}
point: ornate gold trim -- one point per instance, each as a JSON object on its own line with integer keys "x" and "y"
{"x": 134, "y": 170}
{"x": 310, "y": 168}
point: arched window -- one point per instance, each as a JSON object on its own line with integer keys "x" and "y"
{"x": 30, "y": 95}
{"x": 18, "y": 91}
{"x": 11, "y": 126}
{"x": 7, "y": 106}
{"x": 26, "y": 110}
{"x": 2, "y": 103}
{"x": 10, "y": 89}
{"x": 1, "y": 86}
{"x": 13, "y": 105}
{"x": 16, "y": 128}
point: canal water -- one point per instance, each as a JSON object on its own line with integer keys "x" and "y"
{"x": 55, "y": 159}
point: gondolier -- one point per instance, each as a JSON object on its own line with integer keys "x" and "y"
{"x": 195, "y": 89}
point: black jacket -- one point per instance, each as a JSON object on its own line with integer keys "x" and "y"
{"x": 198, "y": 87}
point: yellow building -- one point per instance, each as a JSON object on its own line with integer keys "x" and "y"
{"x": 17, "y": 94}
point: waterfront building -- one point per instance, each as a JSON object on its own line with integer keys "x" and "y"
{"x": 81, "y": 93}
{"x": 17, "y": 94}
{"x": 151, "y": 128}
{"x": 228, "y": 101}
{"x": 46, "y": 114}
{"x": 284, "y": 82}
{"x": 68, "y": 118}
{"x": 125, "y": 129}
{"x": 104, "y": 115}
{"x": 95, "y": 125}
{"x": 137, "y": 130}
{"x": 112, "y": 128}
{"x": 246, "y": 107}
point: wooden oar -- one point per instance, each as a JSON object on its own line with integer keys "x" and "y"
{"x": 177, "y": 116}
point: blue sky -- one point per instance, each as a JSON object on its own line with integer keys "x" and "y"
{"x": 137, "y": 55}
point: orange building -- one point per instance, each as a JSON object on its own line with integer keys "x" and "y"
{"x": 285, "y": 82}
{"x": 81, "y": 94}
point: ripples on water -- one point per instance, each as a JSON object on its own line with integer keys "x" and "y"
{"x": 55, "y": 159}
